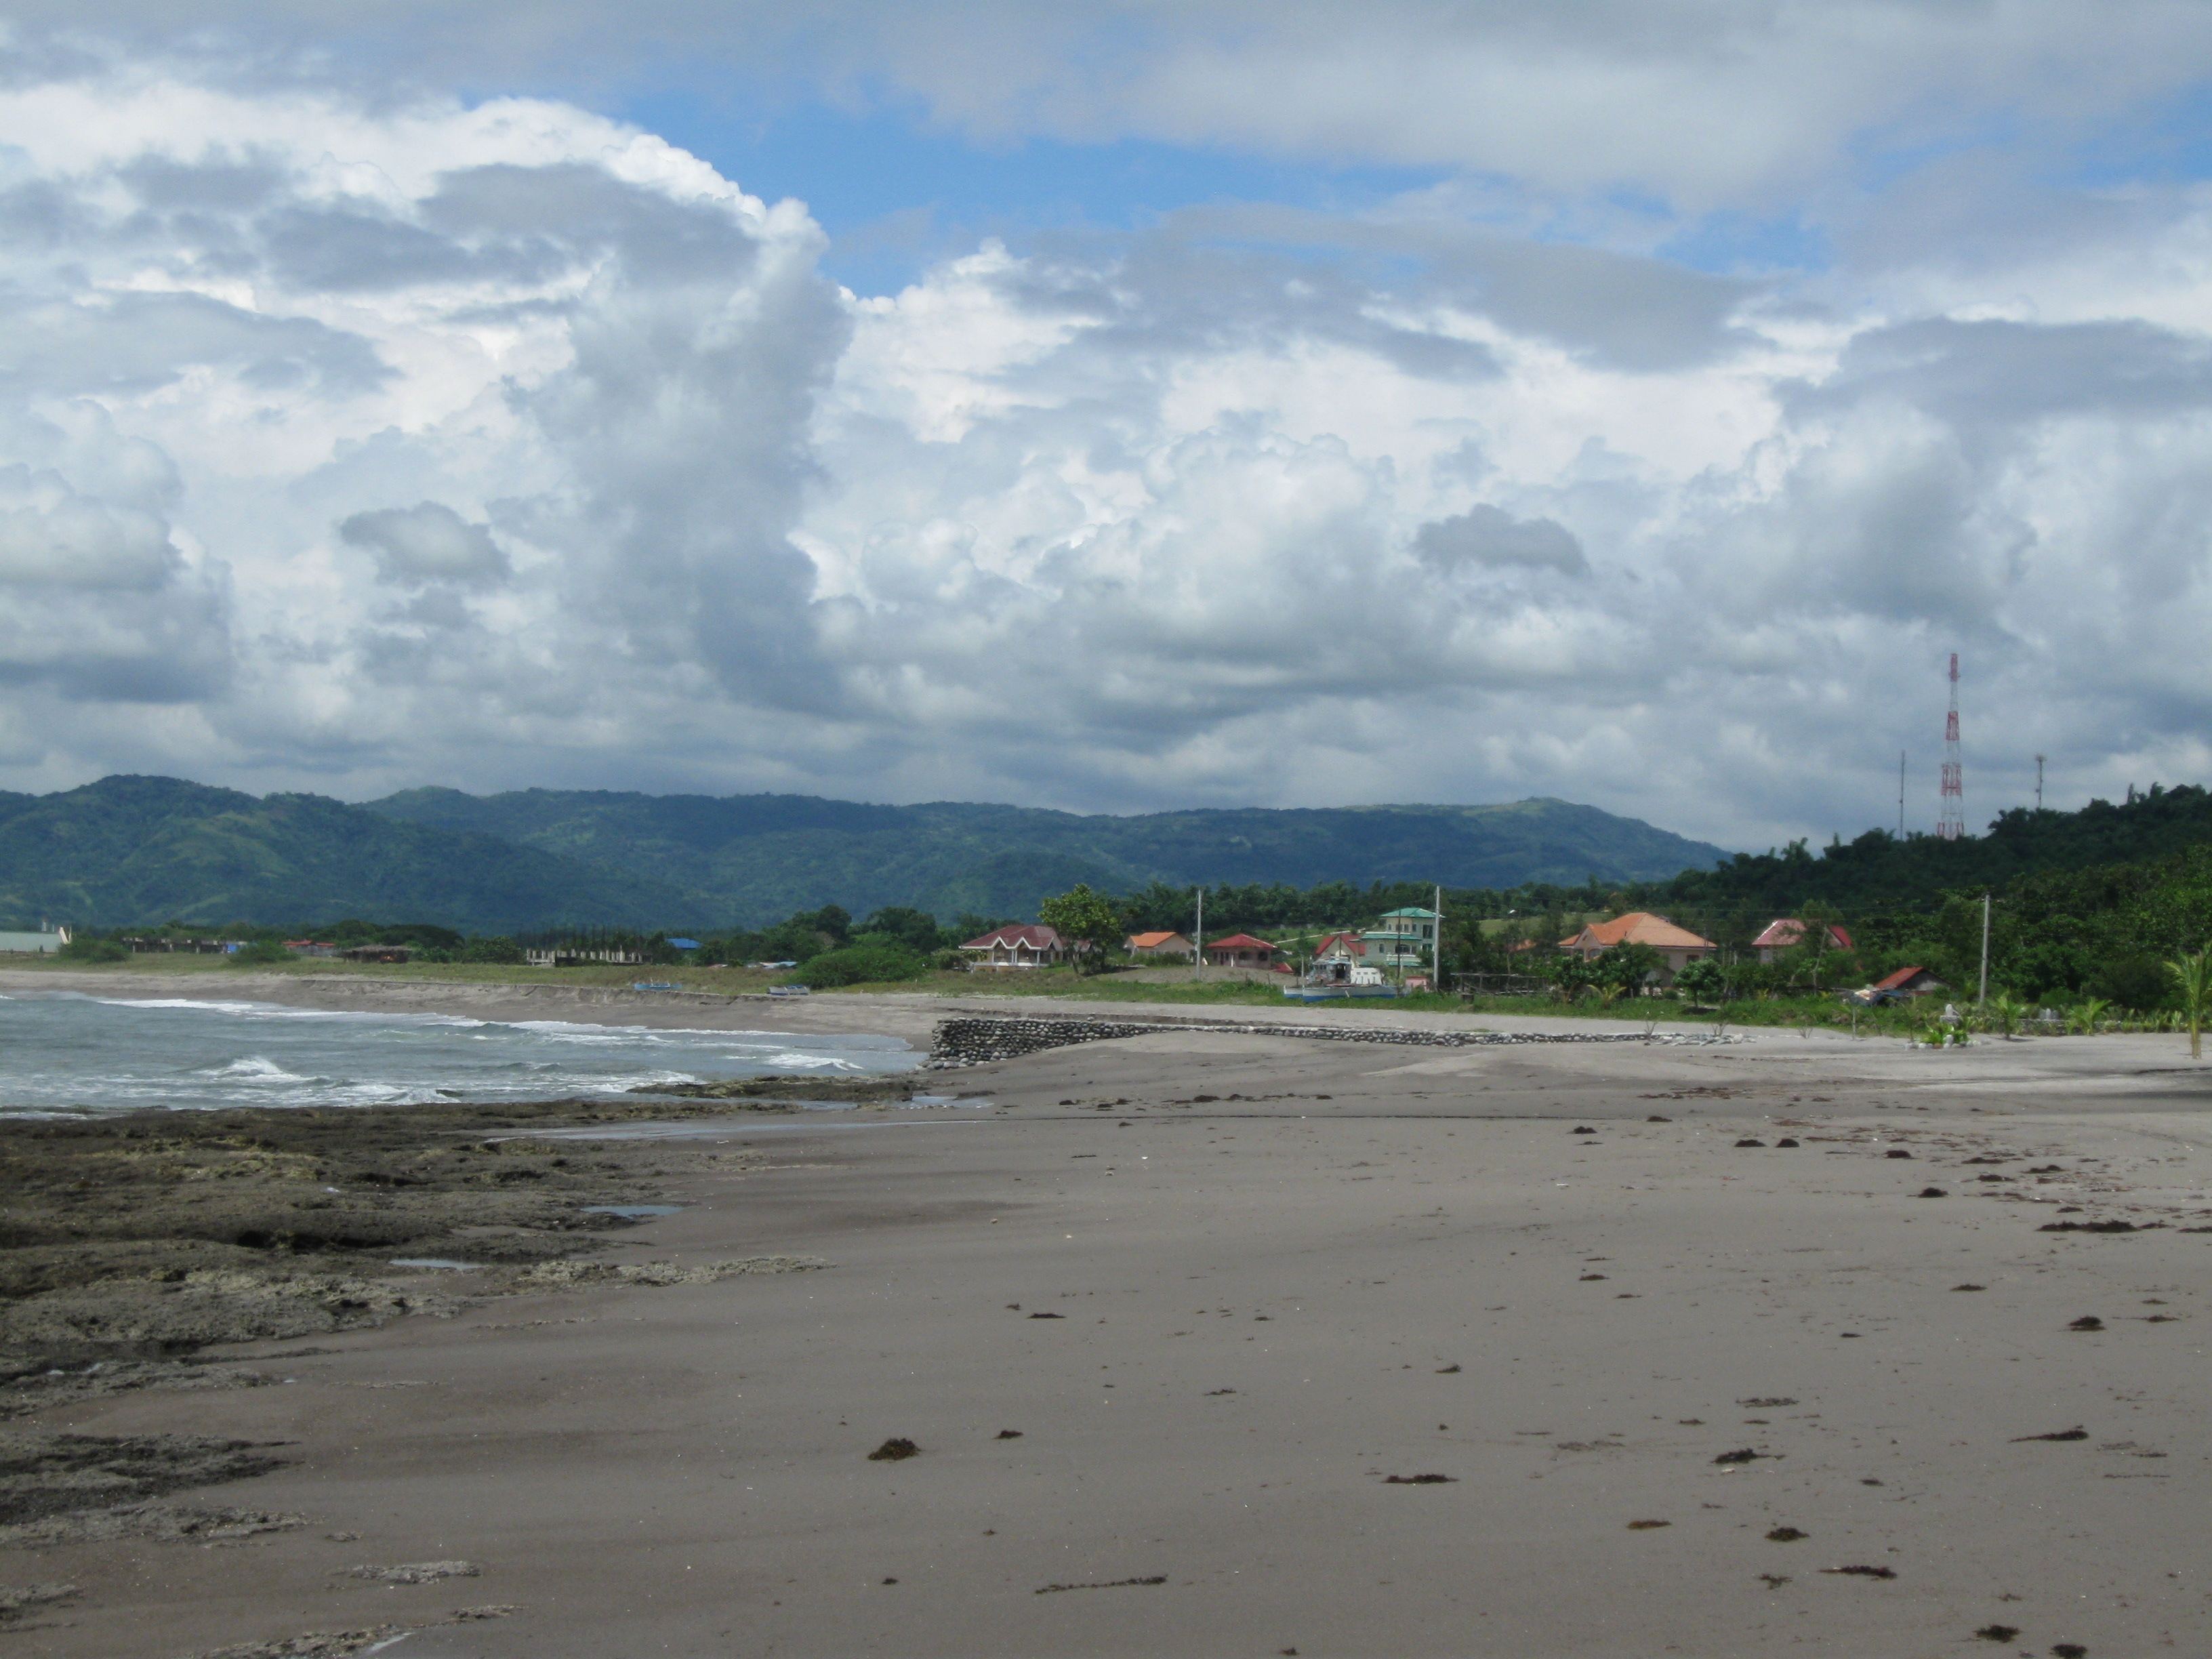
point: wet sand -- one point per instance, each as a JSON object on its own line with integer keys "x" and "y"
{"x": 1286, "y": 1279}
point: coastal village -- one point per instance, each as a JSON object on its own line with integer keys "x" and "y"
{"x": 1402, "y": 953}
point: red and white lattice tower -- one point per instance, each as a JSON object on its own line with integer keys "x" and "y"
{"x": 1953, "y": 822}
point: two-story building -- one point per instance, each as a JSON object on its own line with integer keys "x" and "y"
{"x": 1402, "y": 938}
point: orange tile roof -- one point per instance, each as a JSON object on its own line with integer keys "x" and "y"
{"x": 1146, "y": 941}
{"x": 1638, "y": 927}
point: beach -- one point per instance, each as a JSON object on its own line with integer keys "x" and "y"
{"x": 1212, "y": 1342}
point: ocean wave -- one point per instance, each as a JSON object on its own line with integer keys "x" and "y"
{"x": 200, "y": 1003}
{"x": 77, "y": 1054}
{"x": 245, "y": 1010}
{"x": 829, "y": 1040}
{"x": 259, "y": 1068}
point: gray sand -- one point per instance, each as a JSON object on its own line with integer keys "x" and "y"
{"x": 1270, "y": 1303}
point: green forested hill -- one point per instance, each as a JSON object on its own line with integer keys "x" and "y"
{"x": 755, "y": 858}
{"x": 1880, "y": 871}
{"x": 130, "y": 851}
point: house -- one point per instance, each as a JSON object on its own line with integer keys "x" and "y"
{"x": 1240, "y": 950}
{"x": 376, "y": 953}
{"x": 1025, "y": 944}
{"x": 575, "y": 956}
{"x": 1677, "y": 947}
{"x": 308, "y": 947}
{"x": 1906, "y": 982}
{"x": 1340, "y": 947}
{"x": 1787, "y": 933}
{"x": 39, "y": 944}
{"x": 1159, "y": 945}
{"x": 1402, "y": 938}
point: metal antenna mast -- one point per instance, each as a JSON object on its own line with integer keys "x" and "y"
{"x": 1901, "y": 795}
{"x": 1953, "y": 823}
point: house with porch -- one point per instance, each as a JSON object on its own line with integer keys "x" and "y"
{"x": 1240, "y": 951}
{"x": 1024, "y": 945}
{"x": 1158, "y": 947}
{"x": 1677, "y": 947}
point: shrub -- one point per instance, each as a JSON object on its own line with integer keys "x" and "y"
{"x": 489, "y": 950}
{"x": 1702, "y": 980}
{"x": 84, "y": 948}
{"x": 854, "y": 964}
{"x": 2138, "y": 982}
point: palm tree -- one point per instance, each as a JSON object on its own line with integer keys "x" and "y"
{"x": 2090, "y": 1014}
{"x": 2192, "y": 979}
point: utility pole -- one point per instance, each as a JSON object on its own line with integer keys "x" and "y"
{"x": 1983, "y": 995}
{"x": 1953, "y": 824}
{"x": 1901, "y": 795}
{"x": 2039, "y": 783}
{"x": 1436, "y": 949}
{"x": 1198, "y": 944}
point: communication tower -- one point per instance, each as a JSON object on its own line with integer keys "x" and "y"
{"x": 1953, "y": 822}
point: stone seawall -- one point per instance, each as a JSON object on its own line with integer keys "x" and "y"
{"x": 977, "y": 1040}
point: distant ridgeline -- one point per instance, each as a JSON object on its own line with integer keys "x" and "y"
{"x": 753, "y": 858}
{"x": 132, "y": 850}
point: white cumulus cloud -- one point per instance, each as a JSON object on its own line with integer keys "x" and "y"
{"x": 354, "y": 445}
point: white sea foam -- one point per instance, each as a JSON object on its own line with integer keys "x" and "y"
{"x": 257, "y": 1067}
{"x": 202, "y": 1004}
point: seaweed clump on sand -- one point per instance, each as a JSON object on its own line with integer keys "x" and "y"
{"x": 772, "y": 1092}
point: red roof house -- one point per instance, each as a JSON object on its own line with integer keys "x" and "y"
{"x": 1786, "y": 932}
{"x": 1908, "y": 983}
{"x": 1240, "y": 950}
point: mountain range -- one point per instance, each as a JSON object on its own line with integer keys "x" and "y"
{"x": 128, "y": 851}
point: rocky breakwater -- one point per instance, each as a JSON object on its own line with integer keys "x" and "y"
{"x": 977, "y": 1040}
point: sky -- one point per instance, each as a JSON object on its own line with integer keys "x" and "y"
{"x": 1113, "y": 407}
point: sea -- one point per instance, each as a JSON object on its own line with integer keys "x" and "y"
{"x": 67, "y": 1054}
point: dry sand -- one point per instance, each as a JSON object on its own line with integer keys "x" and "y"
{"x": 1175, "y": 1322}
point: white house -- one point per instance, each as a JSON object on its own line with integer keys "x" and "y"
{"x": 1026, "y": 945}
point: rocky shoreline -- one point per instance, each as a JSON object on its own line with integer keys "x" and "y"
{"x": 137, "y": 1240}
